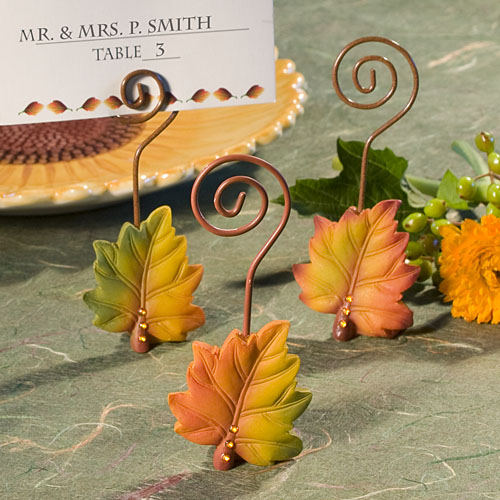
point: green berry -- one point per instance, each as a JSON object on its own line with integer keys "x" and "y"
{"x": 436, "y": 278}
{"x": 431, "y": 244}
{"x": 466, "y": 188}
{"x": 435, "y": 208}
{"x": 414, "y": 250}
{"x": 492, "y": 209}
{"x": 415, "y": 222}
{"x": 494, "y": 162}
{"x": 414, "y": 262}
{"x": 485, "y": 142}
{"x": 437, "y": 224}
{"x": 493, "y": 193}
{"x": 425, "y": 269}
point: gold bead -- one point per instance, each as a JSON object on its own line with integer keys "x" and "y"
{"x": 142, "y": 311}
{"x": 343, "y": 324}
{"x": 229, "y": 444}
{"x": 234, "y": 429}
{"x": 349, "y": 298}
{"x": 225, "y": 457}
{"x": 346, "y": 311}
{"x": 143, "y": 326}
{"x": 142, "y": 338}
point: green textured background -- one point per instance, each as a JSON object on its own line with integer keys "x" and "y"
{"x": 83, "y": 417}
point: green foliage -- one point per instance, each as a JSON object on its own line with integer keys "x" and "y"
{"x": 448, "y": 192}
{"x": 471, "y": 156}
{"x": 428, "y": 187}
{"x": 331, "y": 197}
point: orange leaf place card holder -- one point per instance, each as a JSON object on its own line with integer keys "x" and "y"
{"x": 242, "y": 397}
{"x": 358, "y": 270}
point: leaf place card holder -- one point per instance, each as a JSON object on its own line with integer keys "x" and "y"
{"x": 358, "y": 270}
{"x": 242, "y": 397}
{"x": 133, "y": 270}
{"x": 65, "y": 60}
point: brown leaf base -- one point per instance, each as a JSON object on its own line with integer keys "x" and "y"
{"x": 137, "y": 342}
{"x": 343, "y": 333}
{"x": 223, "y": 451}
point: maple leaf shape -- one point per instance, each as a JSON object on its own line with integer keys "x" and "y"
{"x": 145, "y": 284}
{"x": 357, "y": 272}
{"x": 243, "y": 398}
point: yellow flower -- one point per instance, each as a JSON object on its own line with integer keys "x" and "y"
{"x": 470, "y": 268}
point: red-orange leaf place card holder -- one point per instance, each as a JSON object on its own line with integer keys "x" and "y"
{"x": 358, "y": 270}
{"x": 242, "y": 397}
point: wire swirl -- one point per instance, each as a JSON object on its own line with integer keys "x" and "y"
{"x": 370, "y": 88}
{"x": 232, "y": 212}
{"x": 140, "y": 102}
{"x": 143, "y": 97}
{"x": 373, "y": 82}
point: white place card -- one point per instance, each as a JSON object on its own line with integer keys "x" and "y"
{"x": 65, "y": 59}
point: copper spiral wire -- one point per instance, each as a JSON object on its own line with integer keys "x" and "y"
{"x": 141, "y": 101}
{"x": 370, "y": 88}
{"x": 232, "y": 212}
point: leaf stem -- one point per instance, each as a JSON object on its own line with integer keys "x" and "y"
{"x": 487, "y": 174}
{"x": 471, "y": 156}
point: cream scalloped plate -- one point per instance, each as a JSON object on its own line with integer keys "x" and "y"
{"x": 193, "y": 140}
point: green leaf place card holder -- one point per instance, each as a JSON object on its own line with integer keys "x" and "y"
{"x": 145, "y": 284}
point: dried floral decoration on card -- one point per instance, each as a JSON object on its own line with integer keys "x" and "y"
{"x": 32, "y": 109}
{"x": 91, "y": 104}
{"x": 58, "y": 107}
{"x": 242, "y": 397}
{"x": 145, "y": 284}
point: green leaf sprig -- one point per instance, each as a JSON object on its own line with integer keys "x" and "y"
{"x": 331, "y": 197}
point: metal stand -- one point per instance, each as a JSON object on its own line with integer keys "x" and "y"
{"x": 236, "y": 210}
{"x": 142, "y": 101}
{"x": 371, "y": 88}
{"x": 139, "y": 339}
